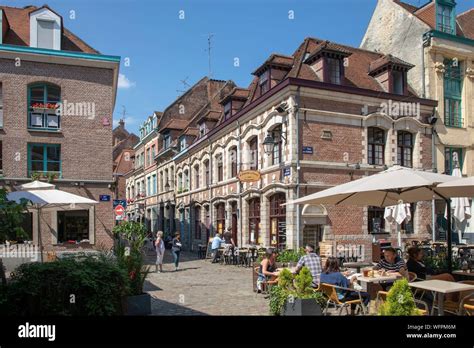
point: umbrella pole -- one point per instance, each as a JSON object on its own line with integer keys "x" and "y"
{"x": 449, "y": 237}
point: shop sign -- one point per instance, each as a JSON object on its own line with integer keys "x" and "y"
{"x": 249, "y": 176}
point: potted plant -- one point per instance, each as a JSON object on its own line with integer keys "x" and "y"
{"x": 294, "y": 296}
{"x": 400, "y": 301}
{"x": 131, "y": 239}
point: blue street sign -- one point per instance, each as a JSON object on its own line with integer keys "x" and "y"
{"x": 287, "y": 171}
{"x": 104, "y": 198}
{"x": 121, "y": 202}
{"x": 308, "y": 150}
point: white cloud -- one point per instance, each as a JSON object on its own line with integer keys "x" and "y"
{"x": 124, "y": 82}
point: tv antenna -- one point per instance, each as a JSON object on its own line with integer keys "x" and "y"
{"x": 209, "y": 47}
{"x": 186, "y": 85}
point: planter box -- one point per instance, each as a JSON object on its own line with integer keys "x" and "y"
{"x": 301, "y": 307}
{"x": 137, "y": 305}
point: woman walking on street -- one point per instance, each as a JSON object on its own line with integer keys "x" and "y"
{"x": 176, "y": 250}
{"x": 160, "y": 251}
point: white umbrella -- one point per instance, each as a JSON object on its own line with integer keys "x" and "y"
{"x": 397, "y": 214}
{"x": 457, "y": 188}
{"x": 384, "y": 189}
{"x": 460, "y": 206}
{"x": 42, "y": 195}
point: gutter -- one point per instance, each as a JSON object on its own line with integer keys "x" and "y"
{"x": 298, "y": 215}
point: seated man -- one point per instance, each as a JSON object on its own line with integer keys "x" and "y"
{"x": 312, "y": 261}
{"x": 391, "y": 263}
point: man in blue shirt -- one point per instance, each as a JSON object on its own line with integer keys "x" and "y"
{"x": 216, "y": 244}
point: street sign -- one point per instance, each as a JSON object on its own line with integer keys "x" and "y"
{"x": 121, "y": 202}
{"x": 308, "y": 150}
{"x": 119, "y": 210}
{"x": 104, "y": 198}
{"x": 287, "y": 171}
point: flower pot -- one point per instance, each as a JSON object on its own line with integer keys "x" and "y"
{"x": 299, "y": 307}
{"x": 137, "y": 305}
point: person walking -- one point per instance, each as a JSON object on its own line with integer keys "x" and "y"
{"x": 160, "y": 251}
{"x": 216, "y": 244}
{"x": 176, "y": 250}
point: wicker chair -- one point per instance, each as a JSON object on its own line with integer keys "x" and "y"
{"x": 469, "y": 309}
{"x": 333, "y": 299}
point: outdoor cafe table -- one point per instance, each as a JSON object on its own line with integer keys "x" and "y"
{"x": 441, "y": 288}
{"x": 357, "y": 265}
{"x": 463, "y": 274}
{"x": 370, "y": 282}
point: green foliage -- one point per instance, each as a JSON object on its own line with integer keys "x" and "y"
{"x": 290, "y": 255}
{"x": 400, "y": 301}
{"x": 96, "y": 286}
{"x": 438, "y": 263}
{"x": 293, "y": 286}
{"x": 11, "y": 217}
{"x": 131, "y": 239}
{"x": 36, "y": 176}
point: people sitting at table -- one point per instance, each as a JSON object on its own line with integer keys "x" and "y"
{"x": 267, "y": 269}
{"x": 392, "y": 263}
{"x": 331, "y": 274}
{"x": 415, "y": 263}
{"x": 312, "y": 261}
{"x": 216, "y": 244}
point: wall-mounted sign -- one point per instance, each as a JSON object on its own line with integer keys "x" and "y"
{"x": 121, "y": 202}
{"x": 287, "y": 171}
{"x": 249, "y": 176}
{"x": 119, "y": 210}
{"x": 104, "y": 198}
{"x": 308, "y": 150}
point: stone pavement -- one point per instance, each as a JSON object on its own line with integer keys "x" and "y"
{"x": 202, "y": 288}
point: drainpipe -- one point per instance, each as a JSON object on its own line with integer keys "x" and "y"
{"x": 239, "y": 164}
{"x": 189, "y": 209}
{"x": 298, "y": 215}
{"x": 435, "y": 169}
{"x": 211, "y": 172}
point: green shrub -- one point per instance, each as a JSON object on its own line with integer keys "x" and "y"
{"x": 69, "y": 286}
{"x": 293, "y": 286}
{"x": 131, "y": 239}
{"x": 290, "y": 255}
{"x": 400, "y": 301}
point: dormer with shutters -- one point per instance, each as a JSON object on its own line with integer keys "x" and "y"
{"x": 45, "y": 29}
{"x": 328, "y": 61}
{"x": 391, "y": 73}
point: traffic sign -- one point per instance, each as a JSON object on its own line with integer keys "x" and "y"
{"x": 119, "y": 210}
{"x": 121, "y": 202}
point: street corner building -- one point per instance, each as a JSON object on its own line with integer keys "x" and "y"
{"x": 439, "y": 42}
{"x": 56, "y": 105}
{"x": 322, "y": 116}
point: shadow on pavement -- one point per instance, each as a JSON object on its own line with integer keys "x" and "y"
{"x": 164, "y": 308}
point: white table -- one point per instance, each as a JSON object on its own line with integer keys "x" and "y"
{"x": 464, "y": 274}
{"x": 441, "y": 288}
{"x": 379, "y": 279}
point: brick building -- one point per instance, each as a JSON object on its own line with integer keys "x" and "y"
{"x": 122, "y": 155}
{"x": 43, "y": 67}
{"x": 322, "y": 116}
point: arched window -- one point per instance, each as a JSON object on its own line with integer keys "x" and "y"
{"x": 220, "y": 168}
{"x": 278, "y": 221}
{"x": 220, "y": 218}
{"x": 197, "y": 179}
{"x": 276, "y": 155}
{"x": 43, "y": 104}
{"x": 376, "y": 146}
{"x": 405, "y": 149}
{"x": 233, "y": 161}
{"x": 207, "y": 176}
{"x": 254, "y": 220}
{"x": 197, "y": 223}
{"x": 253, "y": 153}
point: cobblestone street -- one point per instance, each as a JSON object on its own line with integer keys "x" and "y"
{"x": 202, "y": 288}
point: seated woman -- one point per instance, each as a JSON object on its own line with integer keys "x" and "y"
{"x": 332, "y": 275}
{"x": 267, "y": 269}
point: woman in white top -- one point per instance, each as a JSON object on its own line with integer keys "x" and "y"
{"x": 160, "y": 251}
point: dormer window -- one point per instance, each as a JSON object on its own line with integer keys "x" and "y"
{"x": 264, "y": 82}
{"x": 166, "y": 140}
{"x": 45, "y": 29}
{"x": 227, "y": 110}
{"x": 334, "y": 71}
{"x": 445, "y": 19}
{"x": 182, "y": 143}
{"x": 202, "y": 129}
{"x": 398, "y": 82}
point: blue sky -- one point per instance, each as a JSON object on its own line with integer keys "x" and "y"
{"x": 164, "y": 49}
